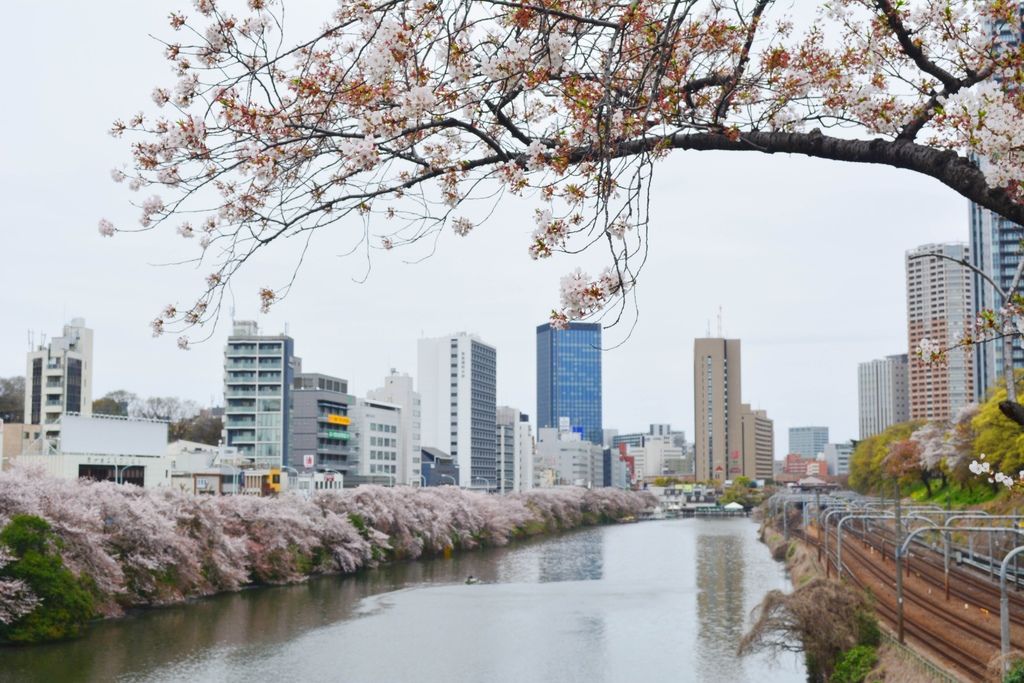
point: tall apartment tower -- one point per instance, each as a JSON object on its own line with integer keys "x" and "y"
{"x": 457, "y": 378}
{"x": 883, "y": 400}
{"x": 758, "y": 444}
{"x": 320, "y": 423}
{"x": 398, "y": 390}
{"x": 808, "y": 442}
{"x": 569, "y": 378}
{"x": 996, "y": 250}
{"x": 259, "y": 371}
{"x": 58, "y": 379}
{"x": 939, "y": 308}
{"x": 718, "y": 436}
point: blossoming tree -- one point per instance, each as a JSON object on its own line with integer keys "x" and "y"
{"x": 396, "y": 112}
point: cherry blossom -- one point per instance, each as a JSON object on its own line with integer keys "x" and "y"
{"x": 106, "y": 228}
{"x": 407, "y": 109}
{"x": 129, "y": 540}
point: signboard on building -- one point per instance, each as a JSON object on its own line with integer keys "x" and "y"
{"x": 339, "y": 420}
{"x": 308, "y": 461}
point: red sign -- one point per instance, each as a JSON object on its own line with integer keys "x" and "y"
{"x": 308, "y": 461}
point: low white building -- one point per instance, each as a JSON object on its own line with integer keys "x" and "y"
{"x": 563, "y": 458}
{"x": 105, "y": 448}
{"x": 837, "y": 457}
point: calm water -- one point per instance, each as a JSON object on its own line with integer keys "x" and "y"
{"x": 655, "y": 601}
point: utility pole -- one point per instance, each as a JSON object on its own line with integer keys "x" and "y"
{"x": 899, "y": 567}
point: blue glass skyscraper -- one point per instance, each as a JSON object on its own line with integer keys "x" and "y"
{"x": 569, "y": 378}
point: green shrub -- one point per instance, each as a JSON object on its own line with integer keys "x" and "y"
{"x": 1016, "y": 674}
{"x": 868, "y": 632}
{"x": 66, "y": 603}
{"x": 854, "y": 665}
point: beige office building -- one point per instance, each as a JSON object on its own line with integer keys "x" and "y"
{"x": 758, "y": 444}
{"x": 718, "y": 413}
{"x": 939, "y": 308}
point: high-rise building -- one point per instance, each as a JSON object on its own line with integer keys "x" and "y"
{"x": 808, "y": 441}
{"x": 259, "y": 371}
{"x": 569, "y": 378}
{"x": 718, "y": 438}
{"x": 939, "y": 308}
{"x": 320, "y": 422}
{"x": 995, "y": 249}
{"x": 398, "y": 389}
{"x": 457, "y": 378}
{"x": 58, "y": 379}
{"x": 882, "y": 394}
{"x": 758, "y": 443}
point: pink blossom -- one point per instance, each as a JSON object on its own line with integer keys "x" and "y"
{"x": 106, "y": 228}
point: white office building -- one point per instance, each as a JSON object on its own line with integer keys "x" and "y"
{"x": 377, "y": 439}
{"x": 398, "y": 390}
{"x": 58, "y": 379}
{"x": 457, "y": 377}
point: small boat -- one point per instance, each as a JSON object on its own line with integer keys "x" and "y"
{"x": 471, "y": 580}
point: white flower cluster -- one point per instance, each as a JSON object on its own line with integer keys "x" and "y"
{"x": 581, "y": 296}
{"x": 150, "y": 207}
{"x": 979, "y": 468}
{"x": 550, "y": 234}
{"x": 462, "y": 226}
{"x": 361, "y": 152}
{"x": 535, "y": 160}
{"x": 417, "y": 101}
{"x": 381, "y": 44}
{"x": 990, "y": 126}
{"x": 106, "y": 228}
{"x": 928, "y": 350}
{"x": 509, "y": 60}
{"x": 558, "y": 48}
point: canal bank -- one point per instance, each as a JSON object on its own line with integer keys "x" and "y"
{"x": 656, "y": 601}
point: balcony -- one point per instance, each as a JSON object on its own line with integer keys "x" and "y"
{"x": 240, "y": 365}
{"x": 243, "y": 410}
{"x": 240, "y": 393}
{"x": 240, "y": 423}
{"x": 246, "y": 437}
{"x": 274, "y": 390}
{"x": 270, "y": 364}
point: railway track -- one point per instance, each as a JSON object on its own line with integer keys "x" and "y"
{"x": 964, "y": 584}
{"x": 963, "y": 652}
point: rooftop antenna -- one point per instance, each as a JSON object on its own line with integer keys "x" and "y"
{"x": 708, "y": 333}
{"x": 719, "y": 321}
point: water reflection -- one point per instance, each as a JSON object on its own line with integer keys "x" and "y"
{"x": 720, "y": 603}
{"x": 659, "y": 601}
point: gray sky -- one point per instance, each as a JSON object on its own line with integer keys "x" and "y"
{"x": 805, "y": 257}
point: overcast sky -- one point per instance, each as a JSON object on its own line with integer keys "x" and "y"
{"x": 805, "y": 257}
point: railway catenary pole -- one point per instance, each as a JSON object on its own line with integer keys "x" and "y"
{"x": 1004, "y": 608}
{"x": 899, "y": 569}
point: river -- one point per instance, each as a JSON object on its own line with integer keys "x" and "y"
{"x": 653, "y": 601}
